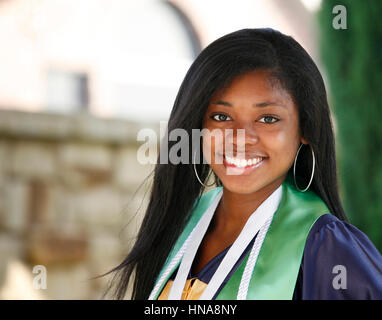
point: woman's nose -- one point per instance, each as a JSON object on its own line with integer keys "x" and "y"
{"x": 241, "y": 137}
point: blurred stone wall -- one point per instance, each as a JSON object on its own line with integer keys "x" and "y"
{"x": 67, "y": 201}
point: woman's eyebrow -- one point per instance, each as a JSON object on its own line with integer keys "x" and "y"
{"x": 269, "y": 103}
{"x": 223, "y": 103}
{"x": 260, "y": 105}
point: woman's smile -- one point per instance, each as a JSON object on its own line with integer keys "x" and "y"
{"x": 242, "y": 165}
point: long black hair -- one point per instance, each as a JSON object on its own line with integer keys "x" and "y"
{"x": 175, "y": 187}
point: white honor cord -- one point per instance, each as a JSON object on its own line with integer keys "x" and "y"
{"x": 207, "y": 215}
{"x": 195, "y": 238}
{"x": 257, "y": 219}
{"x": 171, "y": 265}
{"x": 261, "y": 218}
{"x": 250, "y": 265}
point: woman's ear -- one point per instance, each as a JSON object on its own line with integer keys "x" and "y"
{"x": 303, "y": 141}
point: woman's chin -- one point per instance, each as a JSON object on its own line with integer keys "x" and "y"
{"x": 240, "y": 186}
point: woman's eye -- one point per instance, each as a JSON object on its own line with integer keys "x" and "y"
{"x": 220, "y": 117}
{"x": 272, "y": 119}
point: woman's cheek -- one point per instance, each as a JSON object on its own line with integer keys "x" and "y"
{"x": 207, "y": 151}
{"x": 213, "y": 143}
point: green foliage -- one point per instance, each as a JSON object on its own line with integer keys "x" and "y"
{"x": 353, "y": 63}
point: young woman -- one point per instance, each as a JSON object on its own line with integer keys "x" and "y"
{"x": 272, "y": 226}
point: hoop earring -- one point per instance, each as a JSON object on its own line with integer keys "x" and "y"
{"x": 294, "y": 169}
{"x": 196, "y": 173}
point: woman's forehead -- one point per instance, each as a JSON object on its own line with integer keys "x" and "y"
{"x": 257, "y": 86}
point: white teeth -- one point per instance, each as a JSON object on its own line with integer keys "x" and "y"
{"x": 241, "y": 163}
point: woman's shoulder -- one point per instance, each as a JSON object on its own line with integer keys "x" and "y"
{"x": 340, "y": 262}
{"x": 328, "y": 229}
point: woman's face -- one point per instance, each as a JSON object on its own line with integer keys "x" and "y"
{"x": 270, "y": 138}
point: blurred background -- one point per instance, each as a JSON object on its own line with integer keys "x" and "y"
{"x": 79, "y": 79}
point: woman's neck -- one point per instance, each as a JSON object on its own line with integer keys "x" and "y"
{"x": 234, "y": 209}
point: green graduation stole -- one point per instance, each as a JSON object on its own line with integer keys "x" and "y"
{"x": 275, "y": 274}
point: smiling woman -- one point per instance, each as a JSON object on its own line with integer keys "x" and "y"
{"x": 269, "y": 117}
{"x": 257, "y": 234}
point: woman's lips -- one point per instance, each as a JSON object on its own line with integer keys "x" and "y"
{"x": 234, "y": 170}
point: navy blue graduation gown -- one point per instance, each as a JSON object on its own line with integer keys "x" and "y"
{"x": 339, "y": 262}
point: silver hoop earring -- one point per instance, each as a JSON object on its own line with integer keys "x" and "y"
{"x": 294, "y": 169}
{"x": 196, "y": 173}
